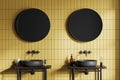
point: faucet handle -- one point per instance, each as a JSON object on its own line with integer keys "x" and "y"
{"x": 28, "y": 52}
{"x": 89, "y": 52}
{"x": 81, "y": 52}
{"x": 37, "y": 52}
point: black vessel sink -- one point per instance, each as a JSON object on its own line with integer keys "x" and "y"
{"x": 31, "y": 63}
{"x": 85, "y": 63}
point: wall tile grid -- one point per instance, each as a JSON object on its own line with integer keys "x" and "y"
{"x": 57, "y": 46}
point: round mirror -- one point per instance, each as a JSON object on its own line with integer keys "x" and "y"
{"x": 32, "y": 25}
{"x": 84, "y": 25}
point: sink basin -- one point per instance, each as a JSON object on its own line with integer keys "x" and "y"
{"x": 85, "y": 63}
{"x": 31, "y": 63}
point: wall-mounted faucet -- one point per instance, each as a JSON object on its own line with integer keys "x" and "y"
{"x": 32, "y": 52}
{"x": 84, "y": 52}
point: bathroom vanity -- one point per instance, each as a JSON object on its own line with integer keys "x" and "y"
{"x": 98, "y": 69}
{"x": 32, "y": 70}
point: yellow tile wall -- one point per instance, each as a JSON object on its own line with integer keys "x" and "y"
{"x": 58, "y": 45}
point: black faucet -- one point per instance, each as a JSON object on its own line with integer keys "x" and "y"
{"x": 32, "y": 52}
{"x": 85, "y": 52}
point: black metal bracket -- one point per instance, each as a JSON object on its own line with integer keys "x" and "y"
{"x": 32, "y": 72}
{"x": 86, "y": 71}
